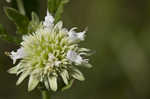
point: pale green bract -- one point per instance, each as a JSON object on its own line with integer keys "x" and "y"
{"x": 50, "y": 53}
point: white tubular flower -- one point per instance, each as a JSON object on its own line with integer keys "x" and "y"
{"x": 17, "y": 55}
{"x": 48, "y": 22}
{"x": 76, "y": 37}
{"x": 74, "y": 57}
{"x": 48, "y": 55}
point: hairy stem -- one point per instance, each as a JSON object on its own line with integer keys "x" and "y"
{"x": 45, "y": 94}
{"x": 21, "y": 6}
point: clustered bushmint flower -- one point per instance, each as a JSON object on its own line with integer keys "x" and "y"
{"x": 50, "y": 53}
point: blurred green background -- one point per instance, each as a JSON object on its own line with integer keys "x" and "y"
{"x": 119, "y": 32}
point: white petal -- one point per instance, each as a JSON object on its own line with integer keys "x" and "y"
{"x": 76, "y": 37}
{"x": 48, "y": 22}
{"x": 46, "y": 84}
{"x": 53, "y": 82}
{"x": 33, "y": 82}
{"x": 51, "y": 57}
{"x": 34, "y": 79}
{"x": 74, "y": 57}
{"x": 23, "y": 76}
{"x": 65, "y": 76}
{"x": 57, "y": 63}
{"x": 81, "y": 35}
{"x": 17, "y": 55}
{"x": 13, "y": 70}
{"x": 84, "y": 50}
{"x": 78, "y": 75}
{"x": 86, "y": 64}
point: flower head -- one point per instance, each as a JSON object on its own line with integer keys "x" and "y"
{"x": 49, "y": 54}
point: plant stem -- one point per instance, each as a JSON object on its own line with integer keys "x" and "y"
{"x": 21, "y": 6}
{"x": 45, "y": 94}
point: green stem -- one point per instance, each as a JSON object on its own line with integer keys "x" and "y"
{"x": 21, "y": 6}
{"x": 45, "y": 94}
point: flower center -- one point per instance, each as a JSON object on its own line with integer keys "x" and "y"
{"x": 47, "y": 48}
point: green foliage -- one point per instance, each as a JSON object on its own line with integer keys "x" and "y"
{"x": 35, "y": 17}
{"x": 68, "y": 86}
{"x": 20, "y": 20}
{"x": 60, "y": 10}
{"x": 52, "y": 6}
{"x": 56, "y": 8}
{"x": 5, "y": 36}
{"x": 34, "y": 23}
{"x": 25, "y": 26}
{"x": 32, "y": 5}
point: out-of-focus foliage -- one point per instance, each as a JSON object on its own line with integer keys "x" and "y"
{"x": 56, "y": 7}
{"x": 6, "y": 37}
{"x": 34, "y": 23}
{"x": 119, "y": 33}
{"x": 20, "y": 20}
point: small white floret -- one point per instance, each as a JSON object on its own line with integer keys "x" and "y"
{"x": 76, "y": 37}
{"x": 74, "y": 57}
{"x": 17, "y": 55}
{"x": 48, "y": 22}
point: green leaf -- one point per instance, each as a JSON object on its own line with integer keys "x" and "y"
{"x": 35, "y": 17}
{"x": 53, "y": 5}
{"x": 68, "y": 86}
{"x": 5, "y": 36}
{"x": 2, "y": 30}
{"x": 60, "y": 10}
{"x": 34, "y": 23}
{"x": 20, "y": 20}
{"x": 56, "y": 7}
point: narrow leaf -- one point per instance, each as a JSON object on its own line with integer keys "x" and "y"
{"x": 60, "y": 10}
{"x": 35, "y": 17}
{"x": 56, "y": 7}
{"x": 20, "y": 20}
{"x": 68, "y": 86}
{"x": 34, "y": 23}
{"x": 53, "y": 5}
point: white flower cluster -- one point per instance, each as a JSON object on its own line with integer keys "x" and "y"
{"x": 51, "y": 52}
